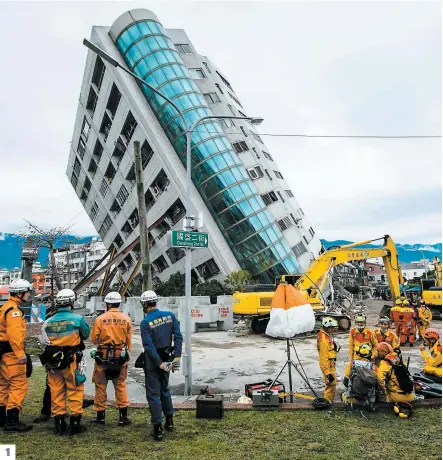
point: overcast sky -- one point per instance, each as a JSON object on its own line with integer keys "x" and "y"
{"x": 370, "y": 68}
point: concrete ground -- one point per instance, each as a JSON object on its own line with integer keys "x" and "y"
{"x": 226, "y": 363}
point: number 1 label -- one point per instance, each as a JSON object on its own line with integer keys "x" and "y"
{"x": 7, "y": 452}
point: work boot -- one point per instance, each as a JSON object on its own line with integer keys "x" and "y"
{"x": 74, "y": 425}
{"x": 123, "y": 417}
{"x": 169, "y": 423}
{"x": 60, "y": 425}
{"x": 157, "y": 434}
{"x": 100, "y": 418}
{"x": 2, "y": 416}
{"x": 411, "y": 344}
{"x": 42, "y": 418}
{"x": 13, "y": 424}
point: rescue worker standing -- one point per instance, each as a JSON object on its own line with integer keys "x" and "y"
{"x": 433, "y": 359}
{"x": 408, "y": 325}
{"x": 158, "y": 330}
{"x": 388, "y": 381}
{"x": 13, "y": 382}
{"x": 65, "y": 333}
{"x": 424, "y": 318}
{"x": 112, "y": 333}
{"x": 357, "y": 337}
{"x": 395, "y": 316}
{"x": 327, "y": 351}
{"x": 383, "y": 334}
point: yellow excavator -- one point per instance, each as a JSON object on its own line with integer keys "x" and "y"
{"x": 431, "y": 290}
{"x": 255, "y": 306}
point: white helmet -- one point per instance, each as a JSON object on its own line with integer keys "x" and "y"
{"x": 65, "y": 297}
{"x": 327, "y": 321}
{"x": 20, "y": 286}
{"x": 113, "y": 297}
{"x": 149, "y": 297}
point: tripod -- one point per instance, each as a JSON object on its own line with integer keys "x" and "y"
{"x": 291, "y": 364}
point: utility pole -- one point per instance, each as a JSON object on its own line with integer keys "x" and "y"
{"x": 144, "y": 247}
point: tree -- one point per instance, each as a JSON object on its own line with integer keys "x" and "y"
{"x": 211, "y": 288}
{"x": 236, "y": 280}
{"x": 173, "y": 287}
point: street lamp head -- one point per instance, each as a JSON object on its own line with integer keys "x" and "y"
{"x": 256, "y": 121}
{"x": 100, "y": 52}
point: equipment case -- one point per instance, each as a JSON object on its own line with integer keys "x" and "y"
{"x": 278, "y": 386}
{"x": 210, "y": 406}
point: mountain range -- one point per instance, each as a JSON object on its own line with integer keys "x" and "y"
{"x": 10, "y": 250}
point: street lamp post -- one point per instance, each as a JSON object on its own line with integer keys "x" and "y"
{"x": 187, "y": 368}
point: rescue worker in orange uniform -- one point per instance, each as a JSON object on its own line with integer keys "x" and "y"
{"x": 13, "y": 382}
{"x": 395, "y": 316}
{"x": 64, "y": 333}
{"x": 408, "y": 325}
{"x": 433, "y": 359}
{"x": 424, "y": 318}
{"x": 388, "y": 382}
{"x": 358, "y": 336}
{"x": 383, "y": 334}
{"x": 327, "y": 351}
{"x": 112, "y": 333}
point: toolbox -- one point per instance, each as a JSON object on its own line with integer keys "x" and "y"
{"x": 265, "y": 398}
{"x": 210, "y": 406}
{"x": 278, "y": 386}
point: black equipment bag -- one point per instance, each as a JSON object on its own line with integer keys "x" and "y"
{"x": 57, "y": 358}
{"x": 403, "y": 376}
{"x": 140, "y": 361}
{"x": 166, "y": 354}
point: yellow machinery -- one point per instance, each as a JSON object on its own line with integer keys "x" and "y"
{"x": 256, "y": 305}
{"x": 431, "y": 290}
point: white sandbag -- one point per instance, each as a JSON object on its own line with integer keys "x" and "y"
{"x": 288, "y": 323}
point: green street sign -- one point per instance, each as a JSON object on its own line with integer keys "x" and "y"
{"x": 182, "y": 239}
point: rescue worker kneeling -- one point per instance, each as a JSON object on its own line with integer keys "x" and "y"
{"x": 13, "y": 383}
{"x": 433, "y": 359}
{"x": 424, "y": 318}
{"x": 327, "y": 350}
{"x": 158, "y": 329}
{"x": 112, "y": 333}
{"x": 65, "y": 332}
{"x": 394, "y": 380}
{"x": 358, "y": 336}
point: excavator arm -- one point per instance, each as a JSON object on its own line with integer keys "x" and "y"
{"x": 314, "y": 280}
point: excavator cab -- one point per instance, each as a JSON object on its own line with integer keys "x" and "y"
{"x": 290, "y": 279}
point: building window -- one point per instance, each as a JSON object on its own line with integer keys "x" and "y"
{"x": 105, "y": 126}
{"x": 197, "y": 73}
{"x": 256, "y": 154}
{"x": 98, "y": 150}
{"x": 92, "y": 168}
{"x": 237, "y": 101}
{"x": 284, "y": 223}
{"x": 86, "y": 126}
{"x": 207, "y": 67}
{"x": 244, "y": 132}
{"x": 289, "y": 193}
{"x": 240, "y": 147}
{"x": 281, "y": 198}
{"x": 267, "y": 173}
{"x": 208, "y": 269}
{"x": 133, "y": 218}
{"x": 301, "y": 211}
{"x": 255, "y": 173}
{"x": 149, "y": 199}
{"x": 87, "y": 185}
{"x": 81, "y": 148}
{"x": 126, "y": 229}
{"x": 131, "y": 174}
{"x": 147, "y": 153}
{"x": 115, "y": 208}
{"x": 77, "y": 167}
{"x": 104, "y": 187}
{"x": 128, "y": 129}
{"x": 160, "y": 264}
{"x": 269, "y": 198}
{"x": 110, "y": 172}
{"x": 232, "y": 110}
{"x": 74, "y": 180}
{"x": 99, "y": 72}
{"x": 219, "y": 88}
{"x": 223, "y": 79}
{"x": 91, "y": 103}
{"x": 278, "y": 175}
{"x": 306, "y": 240}
{"x": 118, "y": 241}
{"x": 299, "y": 249}
{"x": 266, "y": 154}
{"x": 122, "y": 195}
{"x": 175, "y": 254}
{"x": 113, "y": 101}
{"x": 184, "y": 48}
{"x": 106, "y": 225}
{"x": 296, "y": 221}
{"x": 228, "y": 122}
{"x": 242, "y": 114}
{"x": 311, "y": 231}
{"x": 94, "y": 211}
{"x": 211, "y": 98}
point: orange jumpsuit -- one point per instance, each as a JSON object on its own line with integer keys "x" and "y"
{"x": 388, "y": 382}
{"x": 408, "y": 325}
{"x": 395, "y": 317}
{"x": 327, "y": 356}
{"x": 13, "y": 382}
{"x": 388, "y": 337}
{"x": 357, "y": 338}
{"x": 111, "y": 328}
{"x": 424, "y": 319}
{"x": 66, "y": 329}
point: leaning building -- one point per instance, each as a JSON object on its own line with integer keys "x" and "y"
{"x": 252, "y": 217}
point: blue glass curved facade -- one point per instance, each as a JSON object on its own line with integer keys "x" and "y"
{"x": 217, "y": 172}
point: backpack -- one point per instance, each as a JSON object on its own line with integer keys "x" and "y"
{"x": 403, "y": 376}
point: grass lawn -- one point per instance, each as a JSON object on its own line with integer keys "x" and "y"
{"x": 240, "y": 435}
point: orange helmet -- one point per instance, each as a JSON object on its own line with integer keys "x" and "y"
{"x": 383, "y": 346}
{"x": 432, "y": 333}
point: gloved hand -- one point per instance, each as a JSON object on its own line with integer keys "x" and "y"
{"x": 165, "y": 367}
{"x": 330, "y": 378}
{"x": 176, "y": 364}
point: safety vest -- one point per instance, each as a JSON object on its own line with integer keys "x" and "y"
{"x": 387, "y": 337}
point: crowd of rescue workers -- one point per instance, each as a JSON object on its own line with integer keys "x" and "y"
{"x": 64, "y": 333}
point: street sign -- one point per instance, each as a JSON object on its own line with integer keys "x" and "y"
{"x": 182, "y": 239}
